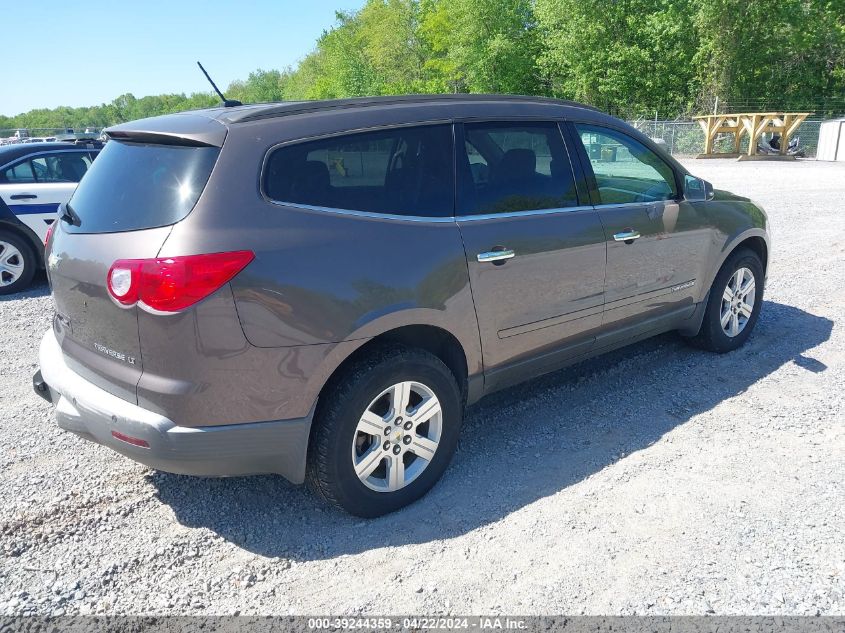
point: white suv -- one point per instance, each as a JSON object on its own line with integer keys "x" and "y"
{"x": 35, "y": 178}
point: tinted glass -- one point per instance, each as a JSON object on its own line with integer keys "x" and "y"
{"x": 138, "y": 186}
{"x": 406, "y": 171}
{"x": 22, "y": 172}
{"x": 515, "y": 167}
{"x": 626, "y": 170}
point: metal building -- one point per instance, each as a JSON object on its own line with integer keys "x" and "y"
{"x": 831, "y": 140}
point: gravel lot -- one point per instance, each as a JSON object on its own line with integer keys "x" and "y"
{"x": 658, "y": 480}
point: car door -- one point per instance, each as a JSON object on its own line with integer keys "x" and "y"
{"x": 657, "y": 243}
{"x": 35, "y": 186}
{"x": 536, "y": 255}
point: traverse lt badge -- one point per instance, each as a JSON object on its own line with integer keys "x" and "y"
{"x": 683, "y": 286}
{"x": 114, "y": 354}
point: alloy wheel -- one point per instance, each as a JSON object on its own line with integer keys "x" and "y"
{"x": 11, "y": 264}
{"x": 737, "y": 302}
{"x": 397, "y": 436}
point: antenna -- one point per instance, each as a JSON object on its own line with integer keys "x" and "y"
{"x": 227, "y": 103}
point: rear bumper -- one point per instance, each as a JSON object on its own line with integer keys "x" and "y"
{"x": 81, "y": 407}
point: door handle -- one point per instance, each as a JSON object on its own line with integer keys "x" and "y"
{"x": 496, "y": 256}
{"x": 23, "y": 196}
{"x": 627, "y": 236}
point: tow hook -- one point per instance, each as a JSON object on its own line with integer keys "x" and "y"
{"x": 41, "y": 387}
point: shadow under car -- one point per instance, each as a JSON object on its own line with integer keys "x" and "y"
{"x": 517, "y": 446}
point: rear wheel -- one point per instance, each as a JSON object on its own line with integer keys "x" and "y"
{"x": 17, "y": 263}
{"x": 733, "y": 305}
{"x": 386, "y": 432}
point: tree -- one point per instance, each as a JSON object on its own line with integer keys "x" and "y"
{"x": 338, "y": 67}
{"x": 482, "y": 45}
{"x": 793, "y": 56}
{"x": 387, "y": 35}
{"x": 260, "y": 87}
{"x": 630, "y": 57}
{"x": 631, "y": 54}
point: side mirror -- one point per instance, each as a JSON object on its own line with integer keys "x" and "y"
{"x": 697, "y": 189}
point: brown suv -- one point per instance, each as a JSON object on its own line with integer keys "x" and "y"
{"x": 318, "y": 289}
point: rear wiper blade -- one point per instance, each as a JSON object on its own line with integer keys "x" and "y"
{"x": 67, "y": 214}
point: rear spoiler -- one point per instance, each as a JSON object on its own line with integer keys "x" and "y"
{"x": 172, "y": 129}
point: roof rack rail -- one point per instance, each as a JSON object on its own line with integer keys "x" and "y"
{"x": 271, "y": 110}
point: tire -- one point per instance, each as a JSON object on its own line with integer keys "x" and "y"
{"x": 17, "y": 263}
{"x": 369, "y": 386}
{"x": 715, "y": 337}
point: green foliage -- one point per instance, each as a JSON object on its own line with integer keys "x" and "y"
{"x": 124, "y": 108}
{"x": 261, "y": 86}
{"x": 625, "y": 56}
{"x": 486, "y": 46}
{"x": 338, "y": 67}
{"x": 634, "y": 54}
{"x": 784, "y": 52}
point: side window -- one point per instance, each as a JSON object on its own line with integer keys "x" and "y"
{"x": 515, "y": 166}
{"x": 61, "y": 167}
{"x": 626, "y": 170}
{"x": 42, "y": 170}
{"x": 22, "y": 172}
{"x": 405, "y": 171}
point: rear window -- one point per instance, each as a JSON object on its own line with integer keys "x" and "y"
{"x": 135, "y": 186}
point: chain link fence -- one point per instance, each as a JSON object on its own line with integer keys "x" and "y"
{"x": 680, "y": 137}
{"x": 43, "y": 134}
{"x": 685, "y": 138}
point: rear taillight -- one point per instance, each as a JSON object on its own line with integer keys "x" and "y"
{"x": 47, "y": 236}
{"x": 171, "y": 284}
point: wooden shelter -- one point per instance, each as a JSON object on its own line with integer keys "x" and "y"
{"x": 754, "y": 124}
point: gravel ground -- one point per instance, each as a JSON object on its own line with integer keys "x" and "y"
{"x": 657, "y": 480}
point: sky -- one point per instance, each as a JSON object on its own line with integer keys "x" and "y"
{"x": 88, "y": 53}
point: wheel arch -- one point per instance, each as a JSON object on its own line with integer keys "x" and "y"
{"x": 27, "y": 235}
{"x": 431, "y": 338}
{"x": 759, "y": 245}
{"x": 12, "y": 223}
{"x": 754, "y": 239}
{"x": 436, "y": 340}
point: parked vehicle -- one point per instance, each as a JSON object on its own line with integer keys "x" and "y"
{"x": 318, "y": 289}
{"x": 772, "y": 147}
{"x": 34, "y": 180}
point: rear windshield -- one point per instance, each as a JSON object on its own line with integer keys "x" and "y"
{"x": 133, "y": 186}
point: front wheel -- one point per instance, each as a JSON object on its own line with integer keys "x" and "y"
{"x": 386, "y": 431}
{"x": 733, "y": 305}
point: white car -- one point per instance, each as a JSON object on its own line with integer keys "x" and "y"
{"x": 35, "y": 178}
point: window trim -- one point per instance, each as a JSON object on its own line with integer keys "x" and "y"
{"x": 30, "y": 157}
{"x": 519, "y": 214}
{"x": 358, "y": 212}
{"x": 584, "y": 176}
{"x": 362, "y": 214}
{"x": 587, "y": 167}
{"x": 21, "y": 159}
{"x": 582, "y": 204}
